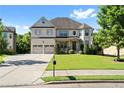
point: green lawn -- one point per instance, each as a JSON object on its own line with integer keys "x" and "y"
{"x": 76, "y": 62}
{"x": 85, "y": 77}
{"x": 1, "y": 58}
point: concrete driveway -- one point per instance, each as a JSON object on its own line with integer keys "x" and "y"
{"x": 23, "y": 69}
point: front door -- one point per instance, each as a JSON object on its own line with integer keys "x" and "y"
{"x": 74, "y": 45}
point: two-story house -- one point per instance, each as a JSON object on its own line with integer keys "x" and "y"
{"x": 61, "y": 32}
{"x": 9, "y": 34}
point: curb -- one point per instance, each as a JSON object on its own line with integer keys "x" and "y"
{"x": 85, "y": 81}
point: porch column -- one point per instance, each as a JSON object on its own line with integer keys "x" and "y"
{"x": 70, "y": 44}
{"x": 77, "y": 46}
{"x": 43, "y": 47}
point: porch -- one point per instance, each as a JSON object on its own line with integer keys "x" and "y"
{"x": 65, "y": 44}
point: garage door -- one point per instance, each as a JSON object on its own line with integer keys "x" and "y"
{"x": 48, "y": 49}
{"x": 37, "y": 49}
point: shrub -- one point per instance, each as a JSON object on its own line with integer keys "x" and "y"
{"x": 82, "y": 47}
{"x": 66, "y": 52}
{"x": 9, "y": 52}
{"x": 80, "y": 52}
{"x": 61, "y": 52}
{"x": 71, "y": 51}
{"x": 95, "y": 50}
{"x": 86, "y": 49}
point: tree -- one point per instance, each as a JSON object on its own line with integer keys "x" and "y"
{"x": 110, "y": 19}
{"x": 23, "y": 43}
{"x": 3, "y": 42}
{"x": 96, "y": 43}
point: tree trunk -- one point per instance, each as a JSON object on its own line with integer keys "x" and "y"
{"x": 118, "y": 53}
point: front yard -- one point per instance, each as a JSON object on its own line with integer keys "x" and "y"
{"x": 78, "y": 62}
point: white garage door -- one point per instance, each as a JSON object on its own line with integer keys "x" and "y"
{"x": 37, "y": 49}
{"x": 48, "y": 49}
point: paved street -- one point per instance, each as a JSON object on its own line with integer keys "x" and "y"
{"x": 84, "y": 72}
{"x": 78, "y": 85}
{"x": 23, "y": 69}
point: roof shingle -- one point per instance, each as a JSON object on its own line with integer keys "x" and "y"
{"x": 9, "y": 29}
{"x": 62, "y": 23}
{"x": 65, "y": 23}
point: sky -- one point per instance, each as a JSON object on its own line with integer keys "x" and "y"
{"x": 24, "y": 16}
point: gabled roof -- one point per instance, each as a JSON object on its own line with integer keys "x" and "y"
{"x": 9, "y": 29}
{"x": 42, "y": 23}
{"x": 60, "y": 23}
{"x": 65, "y": 23}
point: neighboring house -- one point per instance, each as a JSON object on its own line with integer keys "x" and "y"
{"x": 112, "y": 50}
{"x": 9, "y": 34}
{"x": 61, "y": 32}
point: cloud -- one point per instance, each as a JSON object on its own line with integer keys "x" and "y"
{"x": 83, "y": 14}
{"x": 93, "y": 15}
{"x": 26, "y": 27}
{"x": 17, "y": 26}
{"x": 21, "y": 29}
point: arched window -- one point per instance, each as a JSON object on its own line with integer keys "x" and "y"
{"x": 74, "y": 32}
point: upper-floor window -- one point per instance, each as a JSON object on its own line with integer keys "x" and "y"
{"x": 43, "y": 21}
{"x": 5, "y": 34}
{"x": 49, "y": 32}
{"x": 91, "y": 34}
{"x": 10, "y": 47}
{"x": 91, "y": 31}
{"x": 63, "y": 33}
{"x": 37, "y": 32}
{"x": 87, "y": 42}
{"x": 10, "y": 35}
{"x": 74, "y": 32}
{"x": 86, "y": 32}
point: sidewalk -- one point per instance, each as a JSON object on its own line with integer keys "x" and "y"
{"x": 83, "y": 72}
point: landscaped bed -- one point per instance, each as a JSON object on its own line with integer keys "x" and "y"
{"x": 1, "y": 58}
{"x": 78, "y": 62}
{"x": 85, "y": 77}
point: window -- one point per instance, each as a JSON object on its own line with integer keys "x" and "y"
{"x": 80, "y": 34}
{"x": 46, "y": 45}
{"x": 74, "y": 32}
{"x": 49, "y": 32}
{"x": 43, "y": 22}
{"x": 37, "y": 32}
{"x": 39, "y": 45}
{"x": 34, "y": 45}
{"x": 86, "y": 32}
{"x": 63, "y": 44}
{"x": 5, "y": 34}
{"x": 91, "y": 34}
{"x": 63, "y": 33}
{"x": 87, "y": 42}
{"x": 51, "y": 45}
{"x": 10, "y": 47}
{"x": 10, "y": 35}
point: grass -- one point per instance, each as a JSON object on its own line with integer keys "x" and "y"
{"x": 78, "y": 62}
{"x": 85, "y": 77}
{"x": 2, "y": 58}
